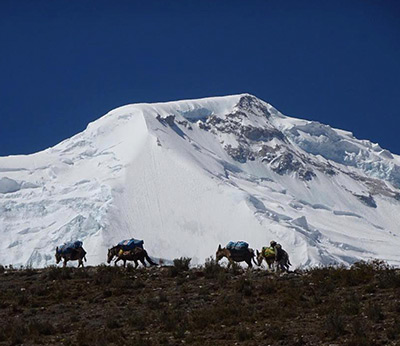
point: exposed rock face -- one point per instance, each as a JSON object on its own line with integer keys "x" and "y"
{"x": 297, "y": 149}
{"x": 169, "y": 119}
{"x": 367, "y": 200}
{"x": 255, "y": 142}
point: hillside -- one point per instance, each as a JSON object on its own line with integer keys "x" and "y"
{"x": 203, "y": 306}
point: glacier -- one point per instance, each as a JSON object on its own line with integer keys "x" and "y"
{"x": 188, "y": 175}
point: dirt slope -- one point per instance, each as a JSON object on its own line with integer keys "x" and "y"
{"x": 208, "y": 306}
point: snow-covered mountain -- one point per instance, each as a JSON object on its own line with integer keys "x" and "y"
{"x": 188, "y": 175}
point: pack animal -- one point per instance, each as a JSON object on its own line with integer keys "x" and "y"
{"x": 282, "y": 261}
{"x": 261, "y": 256}
{"x": 276, "y": 258}
{"x": 245, "y": 255}
{"x": 74, "y": 255}
{"x": 136, "y": 254}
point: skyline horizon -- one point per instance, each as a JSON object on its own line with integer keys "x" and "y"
{"x": 64, "y": 64}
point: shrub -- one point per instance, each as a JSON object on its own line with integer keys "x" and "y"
{"x": 170, "y": 320}
{"x": 388, "y": 278}
{"x": 130, "y": 268}
{"x": 141, "y": 341}
{"x": 106, "y": 274}
{"x": 89, "y": 337}
{"x": 268, "y": 286}
{"x": 236, "y": 268}
{"x": 352, "y": 305}
{"x": 153, "y": 303}
{"x": 113, "y": 323}
{"x": 56, "y": 273}
{"x": 23, "y": 299}
{"x": 393, "y": 332}
{"x": 275, "y": 332}
{"x": 212, "y": 270}
{"x": 182, "y": 264}
{"x": 374, "y": 312}
{"x": 16, "y": 331}
{"x": 334, "y": 325}
{"x": 244, "y": 286}
{"x": 137, "y": 319}
{"x": 41, "y": 328}
{"x": 243, "y": 334}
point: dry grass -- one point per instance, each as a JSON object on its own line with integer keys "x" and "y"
{"x": 200, "y": 306}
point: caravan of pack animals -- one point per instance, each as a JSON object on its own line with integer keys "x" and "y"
{"x": 122, "y": 303}
{"x": 275, "y": 256}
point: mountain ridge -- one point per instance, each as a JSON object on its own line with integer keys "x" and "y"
{"x": 187, "y": 175}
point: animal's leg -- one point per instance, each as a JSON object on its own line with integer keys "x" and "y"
{"x": 276, "y": 267}
{"x": 287, "y": 266}
{"x": 65, "y": 263}
{"x": 280, "y": 268}
{"x": 136, "y": 264}
{"x": 249, "y": 263}
{"x": 124, "y": 263}
{"x": 269, "y": 265}
{"x": 143, "y": 262}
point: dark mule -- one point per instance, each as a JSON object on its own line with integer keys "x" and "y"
{"x": 74, "y": 255}
{"x": 283, "y": 262}
{"x": 136, "y": 254}
{"x": 245, "y": 255}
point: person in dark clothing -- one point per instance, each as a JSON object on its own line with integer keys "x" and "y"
{"x": 281, "y": 257}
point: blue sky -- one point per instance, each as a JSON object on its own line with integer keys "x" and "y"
{"x": 66, "y": 63}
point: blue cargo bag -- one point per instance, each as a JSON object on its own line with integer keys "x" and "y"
{"x": 130, "y": 244}
{"x": 237, "y": 246}
{"x": 69, "y": 247}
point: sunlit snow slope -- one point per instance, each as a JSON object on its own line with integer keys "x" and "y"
{"x": 188, "y": 175}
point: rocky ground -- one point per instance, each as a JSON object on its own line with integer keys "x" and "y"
{"x": 203, "y": 306}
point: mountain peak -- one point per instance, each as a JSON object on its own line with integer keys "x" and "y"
{"x": 188, "y": 175}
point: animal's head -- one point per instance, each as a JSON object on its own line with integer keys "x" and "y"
{"x": 220, "y": 253}
{"x": 110, "y": 254}
{"x": 58, "y": 256}
{"x": 259, "y": 257}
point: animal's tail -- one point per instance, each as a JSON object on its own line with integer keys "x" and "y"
{"x": 148, "y": 259}
{"x": 253, "y": 257}
{"x": 287, "y": 260}
{"x": 84, "y": 257}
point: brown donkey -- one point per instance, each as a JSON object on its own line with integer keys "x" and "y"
{"x": 246, "y": 255}
{"x": 136, "y": 254}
